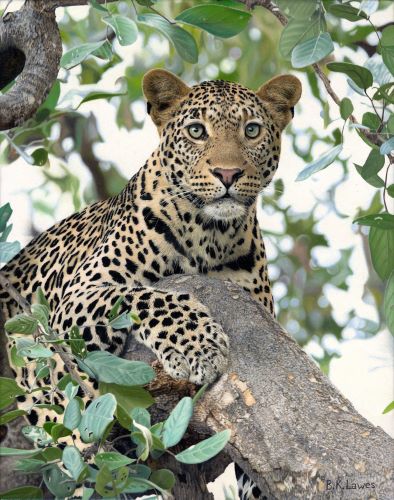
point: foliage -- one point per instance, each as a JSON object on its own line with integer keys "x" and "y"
{"x": 7, "y": 249}
{"x": 65, "y": 468}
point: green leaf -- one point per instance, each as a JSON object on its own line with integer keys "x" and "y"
{"x": 41, "y": 299}
{"x": 347, "y": 12}
{"x": 16, "y": 360}
{"x": 29, "y": 465}
{"x": 78, "y": 54}
{"x": 125, "y": 29}
{"x": 50, "y": 454}
{"x": 114, "y": 312}
{"x": 138, "y": 485}
{"x": 218, "y": 20}
{"x": 387, "y": 46}
{"x": 104, "y": 477}
{"x": 5, "y": 233}
{"x": 311, "y": 51}
{"x": 11, "y": 415}
{"x": 21, "y": 323}
{"x": 5, "y": 214}
{"x": 389, "y": 407}
{"x": 23, "y": 493}
{"x": 97, "y": 417}
{"x": 346, "y": 108}
{"x": 111, "y": 369}
{"x": 321, "y": 163}
{"x": 386, "y": 92}
{"x": 110, "y": 485}
{"x": 302, "y": 9}
{"x": 36, "y": 435}
{"x": 49, "y": 104}
{"x": 73, "y": 462}
{"x": 27, "y": 347}
{"x": 59, "y": 431}
{"x": 93, "y": 96}
{"x": 176, "y": 424}
{"x": 122, "y": 321}
{"x": 128, "y": 397}
{"x": 373, "y": 164}
{"x": 72, "y": 415}
{"x": 8, "y": 250}
{"x": 200, "y": 393}
{"x": 71, "y": 390}
{"x": 374, "y": 180}
{"x": 183, "y": 41}
{"x": 141, "y": 416}
{"x": 390, "y": 190}
{"x": 112, "y": 459}
{"x": 297, "y": 31}
{"x": 77, "y": 344}
{"x": 163, "y": 478}
{"x": 58, "y": 482}
{"x": 203, "y": 451}
{"x": 40, "y": 157}
{"x": 104, "y": 51}
{"x": 87, "y": 493}
{"x": 387, "y": 147}
{"x": 381, "y": 244}
{"x": 388, "y": 303}
{"x": 41, "y": 314}
{"x": 15, "y": 452}
{"x": 360, "y": 75}
{"x": 97, "y": 6}
{"x": 382, "y": 221}
{"x": 9, "y": 390}
{"x": 371, "y": 120}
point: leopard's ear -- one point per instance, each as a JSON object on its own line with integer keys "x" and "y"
{"x": 281, "y": 94}
{"x": 162, "y": 90}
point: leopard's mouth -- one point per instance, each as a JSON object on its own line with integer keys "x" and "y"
{"x": 226, "y": 207}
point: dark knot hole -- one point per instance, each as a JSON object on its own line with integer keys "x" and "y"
{"x": 12, "y": 62}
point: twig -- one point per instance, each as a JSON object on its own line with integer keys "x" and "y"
{"x": 60, "y": 350}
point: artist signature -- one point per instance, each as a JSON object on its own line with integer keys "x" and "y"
{"x": 346, "y": 484}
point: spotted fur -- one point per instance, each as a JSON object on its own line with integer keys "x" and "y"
{"x": 174, "y": 216}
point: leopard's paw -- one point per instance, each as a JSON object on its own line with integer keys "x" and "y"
{"x": 196, "y": 351}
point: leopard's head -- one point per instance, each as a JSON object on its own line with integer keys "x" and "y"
{"x": 219, "y": 141}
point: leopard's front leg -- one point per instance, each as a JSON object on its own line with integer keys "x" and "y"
{"x": 178, "y": 328}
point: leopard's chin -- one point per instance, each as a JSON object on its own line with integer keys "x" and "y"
{"x": 224, "y": 209}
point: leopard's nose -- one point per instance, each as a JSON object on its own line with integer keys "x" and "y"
{"x": 227, "y": 176}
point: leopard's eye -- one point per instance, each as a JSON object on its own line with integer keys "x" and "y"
{"x": 252, "y": 130}
{"x": 197, "y": 131}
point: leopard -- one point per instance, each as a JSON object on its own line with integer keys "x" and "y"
{"x": 190, "y": 209}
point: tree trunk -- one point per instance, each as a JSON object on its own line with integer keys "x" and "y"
{"x": 30, "y": 46}
{"x": 293, "y": 433}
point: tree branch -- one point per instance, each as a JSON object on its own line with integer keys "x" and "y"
{"x": 30, "y": 44}
{"x": 292, "y": 431}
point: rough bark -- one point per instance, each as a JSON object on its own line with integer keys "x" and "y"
{"x": 30, "y": 44}
{"x": 292, "y": 431}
